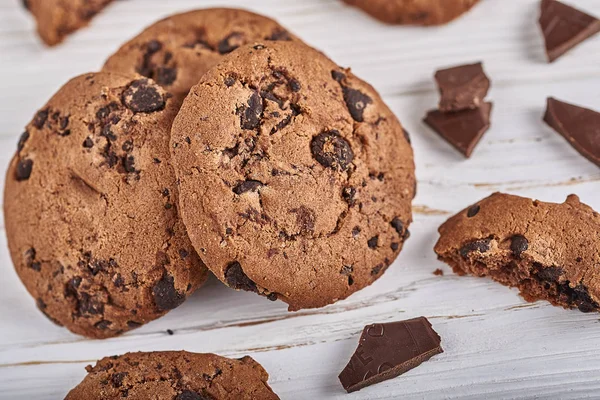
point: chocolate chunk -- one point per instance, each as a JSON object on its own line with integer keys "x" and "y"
{"x": 280, "y": 34}
{"x": 462, "y": 129}
{"x": 40, "y": 119}
{"x": 143, "y": 96}
{"x": 166, "y": 76}
{"x": 398, "y": 225}
{"x": 462, "y": 88}
{"x": 565, "y": 27}
{"x": 102, "y": 325}
{"x": 88, "y": 305}
{"x": 372, "y": 243}
{"x": 22, "y": 140}
{"x": 23, "y": 171}
{"x": 189, "y": 395}
{"x": 229, "y": 81}
{"x": 548, "y": 274}
{"x": 247, "y": 186}
{"x": 237, "y": 279}
{"x": 386, "y": 351}
{"x": 117, "y": 379}
{"x": 331, "y": 150}
{"x": 481, "y": 246}
{"x": 230, "y": 43}
{"x": 129, "y": 164}
{"x": 356, "y": 101}
{"x": 580, "y": 126}
{"x": 473, "y": 211}
{"x": 165, "y": 295}
{"x": 518, "y": 245}
{"x": 295, "y": 85}
{"x": 252, "y": 114}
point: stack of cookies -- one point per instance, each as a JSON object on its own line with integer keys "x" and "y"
{"x": 213, "y": 141}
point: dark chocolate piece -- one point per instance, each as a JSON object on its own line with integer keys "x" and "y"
{"x": 386, "y": 351}
{"x": 564, "y": 27}
{"x": 462, "y": 129}
{"x": 462, "y": 88}
{"x": 580, "y": 126}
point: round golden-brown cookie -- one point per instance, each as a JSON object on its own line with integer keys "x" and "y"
{"x": 174, "y": 375}
{"x": 58, "y": 18}
{"x": 414, "y": 12}
{"x": 549, "y": 251}
{"x": 296, "y": 180}
{"x": 179, "y": 49}
{"x": 90, "y": 207}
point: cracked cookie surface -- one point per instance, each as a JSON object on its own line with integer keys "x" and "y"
{"x": 90, "y": 207}
{"x": 414, "y": 12}
{"x": 179, "y": 49}
{"x": 58, "y": 18}
{"x": 296, "y": 180}
{"x": 174, "y": 375}
{"x": 548, "y": 251}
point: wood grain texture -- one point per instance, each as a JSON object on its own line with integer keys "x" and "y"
{"x": 496, "y": 345}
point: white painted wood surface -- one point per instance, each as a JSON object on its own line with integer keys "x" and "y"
{"x": 496, "y": 345}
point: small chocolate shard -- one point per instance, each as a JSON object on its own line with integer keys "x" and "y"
{"x": 564, "y": 27}
{"x": 462, "y": 129}
{"x": 236, "y": 278}
{"x": 580, "y": 126}
{"x": 386, "y": 351}
{"x": 462, "y": 88}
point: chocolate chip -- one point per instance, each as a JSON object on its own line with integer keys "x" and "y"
{"x": 23, "y": 171}
{"x": 331, "y": 150}
{"x": 170, "y": 332}
{"x": 229, "y": 81}
{"x": 117, "y": 379}
{"x": 166, "y": 76}
{"x": 88, "y": 143}
{"x": 40, "y": 118}
{"x": 272, "y": 296}
{"x": 133, "y": 324}
{"x": 479, "y": 245}
{"x": 30, "y": 256}
{"x": 252, "y": 113}
{"x": 89, "y": 305}
{"x": 518, "y": 244}
{"x": 377, "y": 269}
{"x": 247, "y": 186}
{"x": 356, "y": 101}
{"x": 372, "y": 243}
{"x": 237, "y": 279}
{"x": 548, "y": 274}
{"x": 279, "y": 34}
{"x": 165, "y": 295}
{"x": 394, "y": 246}
{"x": 348, "y": 194}
{"x": 295, "y": 85}
{"x": 230, "y": 43}
{"x": 143, "y": 96}
{"x": 183, "y": 253}
{"x": 338, "y": 76}
{"x": 398, "y": 225}
{"x": 22, "y": 140}
{"x": 153, "y": 46}
{"x": 189, "y": 395}
{"x": 473, "y": 211}
{"x": 129, "y": 164}
{"x": 102, "y": 325}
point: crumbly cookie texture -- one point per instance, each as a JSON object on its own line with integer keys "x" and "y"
{"x": 296, "y": 180}
{"x": 174, "y": 375}
{"x": 549, "y": 251}
{"x": 90, "y": 207}
{"x": 178, "y": 50}
{"x": 414, "y": 12}
{"x": 56, "y": 19}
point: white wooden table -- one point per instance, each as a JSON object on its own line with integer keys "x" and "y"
{"x": 496, "y": 345}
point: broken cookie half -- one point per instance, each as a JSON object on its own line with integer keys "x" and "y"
{"x": 548, "y": 251}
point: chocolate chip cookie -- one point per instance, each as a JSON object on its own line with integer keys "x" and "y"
{"x": 414, "y": 12}
{"x": 296, "y": 180}
{"x": 174, "y": 375}
{"x": 178, "y": 50}
{"x": 549, "y": 251}
{"x": 90, "y": 207}
{"x": 58, "y": 18}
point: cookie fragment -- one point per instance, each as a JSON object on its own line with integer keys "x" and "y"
{"x": 386, "y": 351}
{"x": 514, "y": 241}
{"x": 414, "y": 12}
{"x": 564, "y": 27}
{"x": 462, "y": 129}
{"x": 462, "y": 88}
{"x": 174, "y": 375}
{"x": 56, "y": 19}
{"x": 580, "y": 126}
